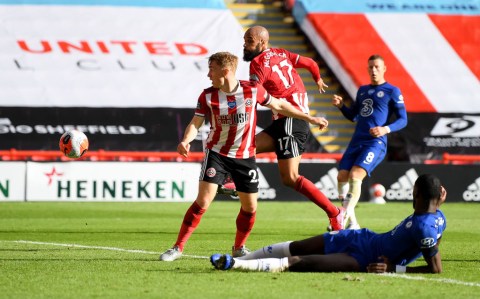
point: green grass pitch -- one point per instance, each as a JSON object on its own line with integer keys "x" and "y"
{"x": 111, "y": 250}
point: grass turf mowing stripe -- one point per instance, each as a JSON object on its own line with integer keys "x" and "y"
{"x": 394, "y": 275}
{"x": 102, "y": 248}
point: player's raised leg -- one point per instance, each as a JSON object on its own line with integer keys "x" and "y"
{"x": 290, "y": 177}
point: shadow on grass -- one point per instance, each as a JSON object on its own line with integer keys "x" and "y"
{"x": 462, "y": 261}
{"x": 187, "y": 271}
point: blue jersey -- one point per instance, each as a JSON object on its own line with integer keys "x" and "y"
{"x": 404, "y": 243}
{"x": 401, "y": 246}
{"x": 373, "y": 107}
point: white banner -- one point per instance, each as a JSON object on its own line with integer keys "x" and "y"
{"x": 428, "y": 57}
{"x": 111, "y": 56}
{"x": 12, "y": 181}
{"x": 112, "y": 181}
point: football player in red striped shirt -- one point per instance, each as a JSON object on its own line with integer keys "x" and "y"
{"x": 230, "y": 107}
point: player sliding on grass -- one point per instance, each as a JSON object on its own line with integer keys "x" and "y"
{"x": 230, "y": 107}
{"x": 360, "y": 250}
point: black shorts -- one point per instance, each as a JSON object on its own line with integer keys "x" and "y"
{"x": 216, "y": 167}
{"x": 290, "y": 135}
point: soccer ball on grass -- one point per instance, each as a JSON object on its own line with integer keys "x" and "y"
{"x": 73, "y": 144}
{"x": 377, "y": 192}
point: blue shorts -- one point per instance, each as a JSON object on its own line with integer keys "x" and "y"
{"x": 366, "y": 155}
{"x": 357, "y": 243}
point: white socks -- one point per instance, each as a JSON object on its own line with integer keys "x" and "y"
{"x": 262, "y": 265}
{"x": 351, "y": 200}
{"x": 271, "y": 258}
{"x": 277, "y": 250}
{"x": 342, "y": 189}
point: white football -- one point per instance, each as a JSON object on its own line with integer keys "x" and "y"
{"x": 73, "y": 144}
{"x": 377, "y": 190}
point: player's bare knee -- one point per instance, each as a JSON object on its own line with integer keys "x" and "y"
{"x": 342, "y": 176}
{"x": 289, "y": 180}
{"x": 203, "y": 204}
{"x": 249, "y": 205}
{"x": 203, "y": 201}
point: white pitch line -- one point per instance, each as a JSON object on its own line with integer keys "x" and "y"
{"x": 102, "y": 248}
{"x": 442, "y": 280}
{"x": 404, "y": 276}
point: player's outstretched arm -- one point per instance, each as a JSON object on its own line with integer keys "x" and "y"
{"x": 434, "y": 261}
{"x": 401, "y": 120}
{"x": 337, "y": 101}
{"x": 321, "y": 86}
{"x": 349, "y": 113}
{"x": 312, "y": 67}
{"x": 287, "y": 109}
{"x": 190, "y": 133}
{"x": 321, "y": 122}
{"x": 434, "y": 264}
{"x": 382, "y": 266}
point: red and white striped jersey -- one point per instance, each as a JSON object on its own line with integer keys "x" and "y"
{"x": 275, "y": 70}
{"x": 233, "y": 118}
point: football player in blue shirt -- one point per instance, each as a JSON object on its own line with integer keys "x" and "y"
{"x": 361, "y": 250}
{"x": 374, "y": 105}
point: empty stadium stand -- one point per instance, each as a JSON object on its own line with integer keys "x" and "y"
{"x": 284, "y": 33}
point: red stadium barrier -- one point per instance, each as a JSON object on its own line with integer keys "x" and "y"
{"x": 102, "y": 155}
{"x": 460, "y": 159}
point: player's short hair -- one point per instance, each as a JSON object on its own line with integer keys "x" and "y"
{"x": 429, "y": 188}
{"x": 225, "y": 60}
{"x": 375, "y": 57}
